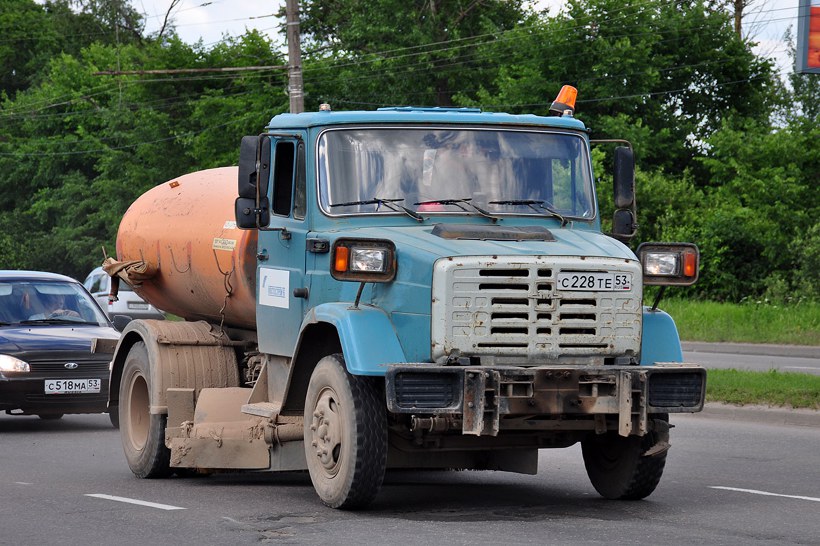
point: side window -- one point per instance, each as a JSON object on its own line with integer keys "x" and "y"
{"x": 300, "y": 190}
{"x": 283, "y": 178}
{"x": 97, "y": 284}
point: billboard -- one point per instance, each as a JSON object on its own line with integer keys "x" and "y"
{"x": 808, "y": 37}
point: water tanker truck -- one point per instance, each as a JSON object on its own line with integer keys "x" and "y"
{"x": 400, "y": 288}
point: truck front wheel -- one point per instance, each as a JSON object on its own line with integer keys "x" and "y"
{"x": 345, "y": 435}
{"x": 142, "y": 433}
{"x": 618, "y": 466}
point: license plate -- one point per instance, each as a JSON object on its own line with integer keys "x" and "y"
{"x": 141, "y": 306}
{"x": 594, "y": 281}
{"x": 72, "y": 386}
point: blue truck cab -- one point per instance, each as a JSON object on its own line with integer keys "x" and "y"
{"x": 434, "y": 290}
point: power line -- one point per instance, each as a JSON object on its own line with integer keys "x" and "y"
{"x": 186, "y": 70}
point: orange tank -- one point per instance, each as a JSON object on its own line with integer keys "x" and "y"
{"x": 184, "y": 230}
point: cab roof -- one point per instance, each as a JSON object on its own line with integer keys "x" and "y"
{"x": 413, "y": 115}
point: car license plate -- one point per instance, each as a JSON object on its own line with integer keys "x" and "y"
{"x": 72, "y": 386}
{"x": 141, "y": 306}
{"x": 594, "y": 281}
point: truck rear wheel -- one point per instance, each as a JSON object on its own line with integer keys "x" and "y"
{"x": 142, "y": 433}
{"x": 618, "y": 468}
{"x": 345, "y": 435}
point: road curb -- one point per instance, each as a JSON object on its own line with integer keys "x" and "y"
{"x": 762, "y": 414}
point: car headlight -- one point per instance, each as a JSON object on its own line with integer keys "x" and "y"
{"x": 669, "y": 263}
{"x": 11, "y": 364}
{"x": 364, "y": 260}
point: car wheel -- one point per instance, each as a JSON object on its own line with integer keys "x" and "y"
{"x": 142, "y": 433}
{"x": 619, "y": 467}
{"x": 50, "y": 416}
{"x": 345, "y": 435}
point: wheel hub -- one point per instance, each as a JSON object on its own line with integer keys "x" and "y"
{"x": 326, "y": 437}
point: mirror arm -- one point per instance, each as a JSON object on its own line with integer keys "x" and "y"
{"x": 285, "y": 233}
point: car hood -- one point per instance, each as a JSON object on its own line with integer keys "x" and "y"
{"x": 15, "y": 340}
{"x": 559, "y": 242}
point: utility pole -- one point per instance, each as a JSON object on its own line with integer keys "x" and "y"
{"x": 297, "y": 99}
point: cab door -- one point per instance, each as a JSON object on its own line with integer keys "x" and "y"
{"x": 280, "y": 277}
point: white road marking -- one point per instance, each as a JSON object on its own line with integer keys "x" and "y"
{"x": 24, "y": 483}
{"x": 756, "y": 492}
{"x": 135, "y": 501}
{"x": 799, "y": 367}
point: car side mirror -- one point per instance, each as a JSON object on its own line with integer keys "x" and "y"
{"x": 254, "y": 166}
{"x": 249, "y": 216}
{"x": 252, "y": 207}
{"x": 624, "y": 225}
{"x": 121, "y": 321}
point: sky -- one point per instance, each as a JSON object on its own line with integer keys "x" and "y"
{"x": 210, "y": 20}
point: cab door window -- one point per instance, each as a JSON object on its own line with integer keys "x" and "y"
{"x": 284, "y": 160}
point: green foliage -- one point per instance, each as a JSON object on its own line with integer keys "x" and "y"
{"x": 79, "y": 148}
{"x": 662, "y": 74}
{"x": 753, "y": 321}
{"x": 797, "y": 390}
{"x": 391, "y": 52}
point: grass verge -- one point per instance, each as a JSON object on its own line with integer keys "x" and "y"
{"x": 797, "y": 324}
{"x": 774, "y": 388}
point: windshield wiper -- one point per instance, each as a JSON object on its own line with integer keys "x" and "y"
{"x": 55, "y": 321}
{"x": 460, "y": 204}
{"x": 536, "y": 205}
{"x": 389, "y": 203}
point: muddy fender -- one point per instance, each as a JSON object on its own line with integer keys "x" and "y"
{"x": 180, "y": 355}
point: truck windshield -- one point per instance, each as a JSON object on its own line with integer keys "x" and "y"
{"x": 497, "y": 170}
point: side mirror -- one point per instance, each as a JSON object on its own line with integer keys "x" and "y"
{"x": 247, "y": 212}
{"x": 624, "y": 224}
{"x": 120, "y": 322}
{"x": 252, "y": 207}
{"x": 254, "y": 166}
{"x": 624, "y": 178}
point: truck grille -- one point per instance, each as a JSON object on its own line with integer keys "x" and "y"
{"x": 512, "y": 306}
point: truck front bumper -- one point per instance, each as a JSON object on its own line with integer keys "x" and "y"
{"x": 486, "y": 400}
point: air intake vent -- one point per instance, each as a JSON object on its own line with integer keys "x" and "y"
{"x": 512, "y": 306}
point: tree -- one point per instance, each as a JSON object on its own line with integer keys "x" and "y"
{"x": 27, "y": 40}
{"x": 662, "y": 74}
{"x": 81, "y": 147}
{"x": 387, "y": 52}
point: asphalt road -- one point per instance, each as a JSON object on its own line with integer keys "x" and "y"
{"x": 726, "y": 482}
{"x": 761, "y": 358}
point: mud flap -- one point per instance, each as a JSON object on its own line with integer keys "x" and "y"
{"x": 220, "y": 436}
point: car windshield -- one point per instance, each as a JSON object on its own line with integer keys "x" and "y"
{"x": 47, "y": 302}
{"x": 436, "y": 170}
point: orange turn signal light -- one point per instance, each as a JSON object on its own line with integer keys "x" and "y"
{"x": 341, "y": 259}
{"x": 690, "y": 264}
